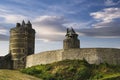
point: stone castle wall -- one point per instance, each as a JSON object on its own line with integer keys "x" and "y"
{"x": 6, "y": 62}
{"x": 44, "y": 58}
{"x": 92, "y": 55}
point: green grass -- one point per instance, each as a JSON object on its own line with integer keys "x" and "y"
{"x": 15, "y": 75}
{"x": 112, "y": 77}
{"x": 74, "y": 70}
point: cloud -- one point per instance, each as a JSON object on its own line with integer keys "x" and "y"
{"x": 12, "y": 18}
{"x": 3, "y": 10}
{"x": 106, "y": 15}
{"x": 53, "y": 28}
{"x": 50, "y": 25}
{"x": 107, "y": 26}
{"x": 4, "y": 37}
{"x": 78, "y": 25}
{"x": 3, "y": 31}
{"x": 3, "y": 34}
{"x": 18, "y": 10}
{"x": 104, "y": 32}
{"x": 22, "y": 2}
{"x": 8, "y": 19}
{"x": 49, "y": 28}
{"x": 111, "y": 2}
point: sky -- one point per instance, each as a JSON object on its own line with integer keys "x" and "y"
{"x": 97, "y": 22}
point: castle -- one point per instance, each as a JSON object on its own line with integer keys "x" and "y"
{"x": 21, "y": 50}
{"x": 22, "y": 40}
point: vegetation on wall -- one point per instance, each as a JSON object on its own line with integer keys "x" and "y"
{"x": 74, "y": 70}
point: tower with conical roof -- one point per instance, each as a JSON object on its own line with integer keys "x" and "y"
{"x": 71, "y": 40}
{"x": 22, "y": 40}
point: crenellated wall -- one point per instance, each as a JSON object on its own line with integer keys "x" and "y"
{"x": 92, "y": 55}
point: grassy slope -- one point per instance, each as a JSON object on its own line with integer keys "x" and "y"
{"x": 15, "y": 75}
{"x": 75, "y": 69}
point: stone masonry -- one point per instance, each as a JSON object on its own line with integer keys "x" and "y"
{"x": 91, "y": 55}
{"x": 22, "y": 40}
{"x": 71, "y": 40}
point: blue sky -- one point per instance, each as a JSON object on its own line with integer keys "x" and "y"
{"x": 96, "y": 21}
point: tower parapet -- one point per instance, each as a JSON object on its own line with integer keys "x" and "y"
{"x": 22, "y": 40}
{"x": 71, "y": 40}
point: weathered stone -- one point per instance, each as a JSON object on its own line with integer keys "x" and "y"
{"x": 92, "y": 55}
{"x": 71, "y": 40}
{"x": 22, "y": 41}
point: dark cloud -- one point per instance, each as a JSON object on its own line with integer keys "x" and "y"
{"x": 113, "y": 31}
{"x": 50, "y": 22}
{"x": 4, "y": 37}
{"x": 51, "y": 37}
{"x": 49, "y": 28}
{"x": 108, "y": 23}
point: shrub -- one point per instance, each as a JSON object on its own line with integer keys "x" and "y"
{"x": 72, "y": 70}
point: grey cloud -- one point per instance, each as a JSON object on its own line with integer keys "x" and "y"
{"x": 4, "y": 31}
{"x": 53, "y": 22}
{"x": 106, "y": 15}
{"x": 107, "y": 26}
{"x": 4, "y": 37}
{"x": 111, "y": 2}
{"x": 50, "y": 28}
{"x": 105, "y": 32}
{"x": 51, "y": 37}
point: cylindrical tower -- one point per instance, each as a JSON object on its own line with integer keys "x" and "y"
{"x": 21, "y": 44}
{"x": 71, "y": 40}
{"x": 30, "y": 38}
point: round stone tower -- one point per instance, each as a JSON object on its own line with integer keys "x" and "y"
{"x": 22, "y": 40}
{"x": 71, "y": 40}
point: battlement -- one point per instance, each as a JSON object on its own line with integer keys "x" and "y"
{"x": 24, "y": 27}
